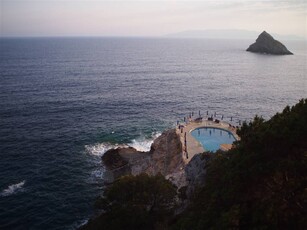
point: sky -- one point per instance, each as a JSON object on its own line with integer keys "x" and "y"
{"x": 148, "y": 18}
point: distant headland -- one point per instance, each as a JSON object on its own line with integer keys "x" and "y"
{"x": 228, "y": 34}
{"x": 265, "y": 43}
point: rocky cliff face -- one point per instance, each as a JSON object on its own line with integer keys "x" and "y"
{"x": 265, "y": 43}
{"x": 165, "y": 157}
{"x": 166, "y": 153}
{"x": 119, "y": 161}
{"x": 196, "y": 172}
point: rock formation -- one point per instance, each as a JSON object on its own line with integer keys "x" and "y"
{"x": 166, "y": 153}
{"x": 165, "y": 157}
{"x": 265, "y": 43}
{"x": 195, "y": 172}
{"x": 118, "y": 162}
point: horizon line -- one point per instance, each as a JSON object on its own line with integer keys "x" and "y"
{"x": 132, "y": 36}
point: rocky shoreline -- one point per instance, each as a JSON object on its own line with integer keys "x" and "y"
{"x": 165, "y": 157}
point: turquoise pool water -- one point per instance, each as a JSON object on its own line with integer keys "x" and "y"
{"x": 211, "y": 138}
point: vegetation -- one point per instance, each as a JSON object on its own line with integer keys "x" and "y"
{"x": 259, "y": 184}
{"x": 136, "y": 202}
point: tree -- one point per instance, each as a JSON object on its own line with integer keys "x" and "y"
{"x": 136, "y": 202}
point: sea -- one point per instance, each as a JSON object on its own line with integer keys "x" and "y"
{"x": 65, "y": 101}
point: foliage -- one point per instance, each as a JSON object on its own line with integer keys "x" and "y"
{"x": 260, "y": 184}
{"x": 136, "y": 202}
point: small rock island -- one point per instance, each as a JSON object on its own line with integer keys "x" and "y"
{"x": 265, "y": 43}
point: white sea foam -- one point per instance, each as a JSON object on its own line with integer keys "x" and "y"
{"x": 12, "y": 189}
{"x": 98, "y": 173}
{"x": 78, "y": 224}
{"x": 100, "y": 148}
{"x": 140, "y": 144}
{"x": 143, "y": 144}
{"x": 97, "y": 150}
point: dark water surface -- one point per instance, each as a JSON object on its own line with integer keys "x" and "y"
{"x": 64, "y": 101}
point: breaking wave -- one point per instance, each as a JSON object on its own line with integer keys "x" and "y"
{"x": 12, "y": 189}
{"x": 100, "y": 148}
{"x": 141, "y": 144}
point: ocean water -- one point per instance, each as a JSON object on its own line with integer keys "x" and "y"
{"x": 65, "y": 101}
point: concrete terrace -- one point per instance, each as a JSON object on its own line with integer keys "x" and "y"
{"x": 193, "y": 146}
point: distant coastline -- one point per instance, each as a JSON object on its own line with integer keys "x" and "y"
{"x": 204, "y": 34}
{"x": 227, "y": 34}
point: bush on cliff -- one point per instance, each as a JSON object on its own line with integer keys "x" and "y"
{"x": 136, "y": 202}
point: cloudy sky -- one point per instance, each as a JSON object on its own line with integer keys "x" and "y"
{"x": 148, "y": 18}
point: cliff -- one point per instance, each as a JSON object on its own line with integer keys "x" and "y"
{"x": 196, "y": 171}
{"x": 166, "y": 154}
{"x": 265, "y": 43}
{"x": 165, "y": 157}
{"x": 119, "y": 162}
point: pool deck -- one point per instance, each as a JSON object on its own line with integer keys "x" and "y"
{"x": 193, "y": 146}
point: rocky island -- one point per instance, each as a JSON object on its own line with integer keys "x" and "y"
{"x": 265, "y": 43}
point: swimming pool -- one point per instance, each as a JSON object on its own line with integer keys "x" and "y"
{"x": 211, "y": 138}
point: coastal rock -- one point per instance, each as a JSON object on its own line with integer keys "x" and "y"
{"x": 165, "y": 157}
{"x": 112, "y": 158}
{"x": 196, "y": 171}
{"x": 166, "y": 154}
{"x": 123, "y": 161}
{"x": 265, "y": 43}
{"x": 117, "y": 163}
